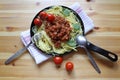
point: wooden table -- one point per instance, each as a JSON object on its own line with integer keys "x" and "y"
{"x": 16, "y": 16}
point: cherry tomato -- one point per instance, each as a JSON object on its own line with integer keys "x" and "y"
{"x": 50, "y": 17}
{"x": 58, "y": 60}
{"x": 43, "y": 15}
{"x": 69, "y": 66}
{"x": 37, "y": 22}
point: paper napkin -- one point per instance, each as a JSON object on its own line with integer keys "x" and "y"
{"x": 36, "y": 54}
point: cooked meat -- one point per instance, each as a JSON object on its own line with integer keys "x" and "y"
{"x": 59, "y": 30}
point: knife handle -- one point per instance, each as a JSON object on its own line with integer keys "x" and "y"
{"x": 17, "y": 54}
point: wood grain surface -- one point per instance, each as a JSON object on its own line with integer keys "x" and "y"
{"x": 16, "y": 16}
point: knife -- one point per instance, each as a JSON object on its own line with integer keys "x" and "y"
{"x": 17, "y": 54}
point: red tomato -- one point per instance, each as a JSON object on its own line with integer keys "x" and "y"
{"x": 43, "y": 15}
{"x": 37, "y": 22}
{"x": 69, "y": 66}
{"x": 58, "y": 60}
{"x": 50, "y": 17}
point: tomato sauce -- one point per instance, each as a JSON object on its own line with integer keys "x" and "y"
{"x": 58, "y": 30}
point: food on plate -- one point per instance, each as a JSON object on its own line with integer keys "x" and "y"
{"x": 58, "y": 27}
